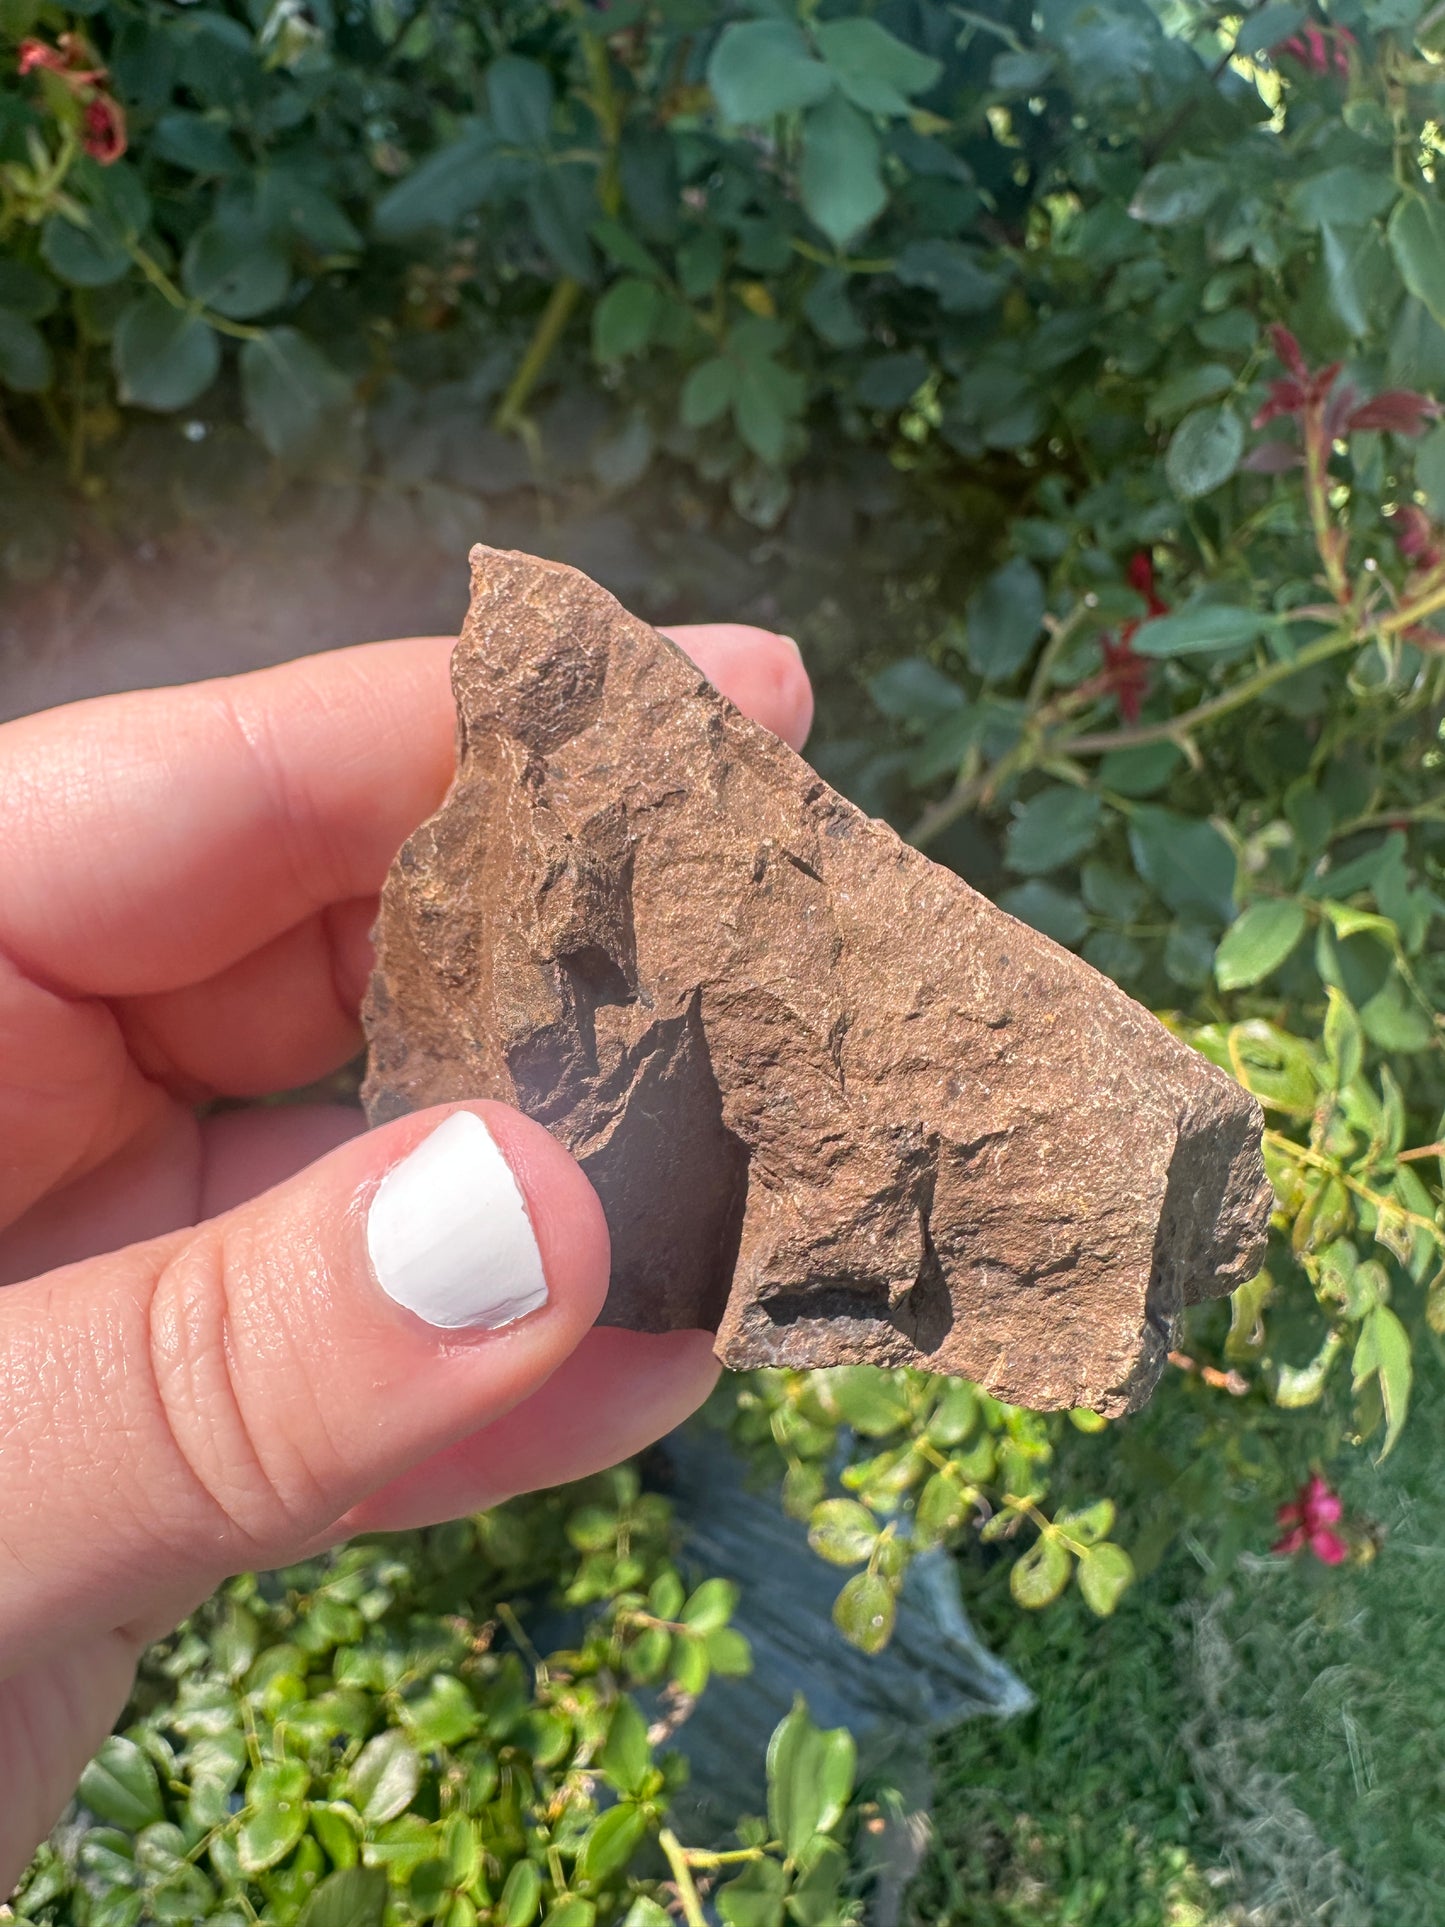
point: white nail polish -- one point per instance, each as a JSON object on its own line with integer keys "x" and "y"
{"x": 448, "y": 1232}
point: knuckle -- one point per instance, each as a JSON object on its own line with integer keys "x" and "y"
{"x": 219, "y": 1357}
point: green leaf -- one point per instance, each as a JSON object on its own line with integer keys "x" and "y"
{"x": 1178, "y": 191}
{"x": 843, "y": 1532}
{"x": 291, "y": 393}
{"x": 1343, "y": 1039}
{"x": 840, "y": 177}
{"x": 756, "y": 1897}
{"x": 120, "y": 1785}
{"x": 622, "y": 321}
{"x": 1342, "y": 197}
{"x": 765, "y": 397}
{"x": 646, "y": 1913}
{"x": 519, "y": 97}
{"x": 521, "y": 1896}
{"x": 1204, "y": 452}
{"x": 84, "y": 257}
{"x": 948, "y": 269}
{"x": 626, "y": 1759}
{"x": 1258, "y": 942}
{"x": 1053, "y": 828}
{"x": 1204, "y": 626}
{"x": 1021, "y": 73}
{"x": 275, "y": 1814}
{"x": 572, "y": 1912}
{"x": 1383, "y": 1352}
{"x": 914, "y": 691}
{"x": 707, "y": 392}
{"x": 25, "y": 363}
{"x": 1183, "y": 859}
{"x": 1049, "y": 910}
{"x": 711, "y": 1606}
{"x": 1105, "y": 1573}
{"x": 1430, "y": 470}
{"x": 690, "y": 1665}
{"x": 954, "y": 1417}
{"x": 1140, "y": 770}
{"x": 195, "y": 142}
{"x": 877, "y": 71}
{"x": 611, "y": 1841}
{"x": 1189, "y": 953}
{"x": 762, "y": 68}
{"x": 27, "y": 292}
{"x": 1353, "y": 259}
{"x": 236, "y": 268}
{"x": 810, "y": 1779}
{"x": 445, "y": 187}
{"x": 354, "y": 1897}
{"x": 384, "y": 1777}
{"x": 728, "y": 1653}
{"x": 1417, "y": 241}
{"x": 560, "y": 206}
{"x": 1004, "y": 617}
{"x": 873, "y": 1401}
{"x": 1188, "y": 387}
{"x": 164, "y": 357}
{"x": 1088, "y": 1524}
{"x": 1267, "y": 26}
{"x": 865, "y": 1610}
{"x": 444, "y": 1714}
{"x": 1041, "y": 1574}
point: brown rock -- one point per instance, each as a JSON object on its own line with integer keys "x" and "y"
{"x": 837, "y": 1106}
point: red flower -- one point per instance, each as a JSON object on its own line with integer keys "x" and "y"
{"x": 70, "y": 58}
{"x": 1125, "y": 675}
{"x": 1141, "y": 577}
{"x": 1318, "y": 49}
{"x": 1310, "y": 1518}
{"x": 103, "y": 136}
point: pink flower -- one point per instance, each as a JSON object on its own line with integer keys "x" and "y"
{"x": 1310, "y": 1518}
{"x": 104, "y": 136}
{"x": 1319, "y": 49}
{"x": 70, "y": 58}
{"x": 1125, "y": 675}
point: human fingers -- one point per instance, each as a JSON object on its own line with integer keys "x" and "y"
{"x": 617, "y": 1392}
{"x": 157, "y": 840}
{"x": 217, "y": 1399}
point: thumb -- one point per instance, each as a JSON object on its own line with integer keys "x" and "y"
{"x": 217, "y": 1399}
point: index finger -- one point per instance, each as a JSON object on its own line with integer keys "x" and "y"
{"x": 153, "y": 839}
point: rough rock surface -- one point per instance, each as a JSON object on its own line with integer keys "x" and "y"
{"x": 838, "y": 1107}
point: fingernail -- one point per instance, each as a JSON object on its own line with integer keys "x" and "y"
{"x": 792, "y": 642}
{"x": 448, "y": 1232}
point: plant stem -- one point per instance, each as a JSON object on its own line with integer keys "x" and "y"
{"x": 545, "y": 336}
{"x": 1174, "y": 727}
{"x": 164, "y": 286}
{"x": 687, "y": 1893}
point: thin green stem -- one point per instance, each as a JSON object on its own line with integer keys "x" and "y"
{"x": 165, "y": 287}
{"x": 687, "y": 1894}
{"x": 545, "y": 336}
{"x": 1173, "y": 727}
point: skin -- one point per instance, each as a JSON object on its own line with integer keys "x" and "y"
{"x": 198, "y": 1371}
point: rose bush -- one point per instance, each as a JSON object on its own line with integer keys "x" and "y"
{"x": 1106, "y": 341}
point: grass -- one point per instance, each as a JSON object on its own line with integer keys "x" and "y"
{"x": 1256, "y": 1750}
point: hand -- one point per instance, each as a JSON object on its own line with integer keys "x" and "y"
{"x": 210, "y": 1366}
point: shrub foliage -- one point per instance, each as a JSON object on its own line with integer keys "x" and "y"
{"x": 1141, "y": 311}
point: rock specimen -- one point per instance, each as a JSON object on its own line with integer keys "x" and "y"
{"x": 838, "y": 1107}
